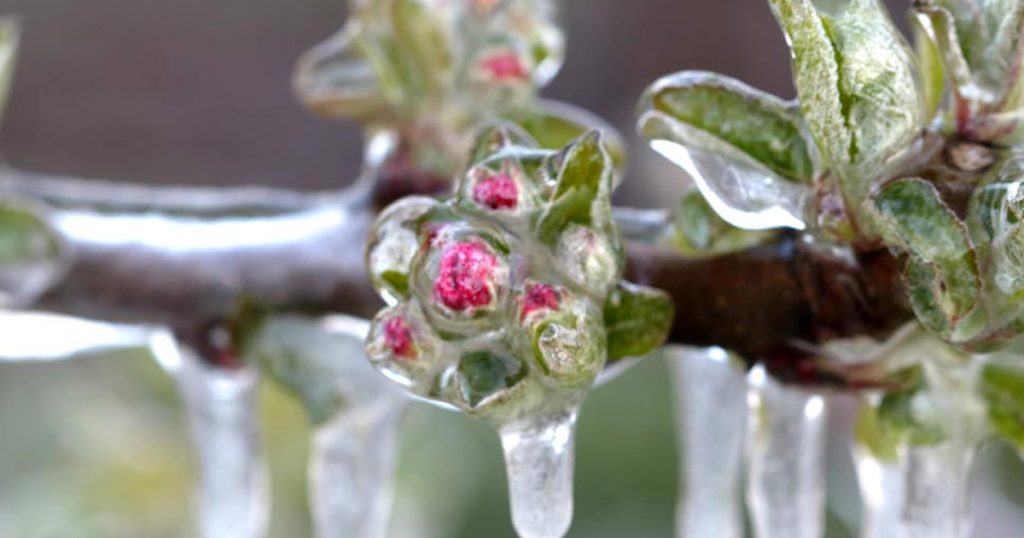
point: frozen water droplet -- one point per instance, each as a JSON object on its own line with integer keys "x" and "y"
{"x": 711, "y": 410}
{"x": 539, "y": 456}
{"x": 785, "y": 459}
{"x": 747, "y": 196}
{"x": 224, "y": 418}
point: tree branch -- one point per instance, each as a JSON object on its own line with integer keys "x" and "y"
{"x": 188, "y": 257}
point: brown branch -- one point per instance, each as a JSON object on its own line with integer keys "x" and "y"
{"x": 188, "y": 257}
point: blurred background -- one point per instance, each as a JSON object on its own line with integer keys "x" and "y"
{"x": 197, "y": 92}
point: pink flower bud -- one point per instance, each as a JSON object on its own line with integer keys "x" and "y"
{"x": 504, "y": 66}
{"x": 464, "y": 276}
{"x": 539, "y": 297}
{"x": 398, "y": 338}
{"x": 496, "y": 192}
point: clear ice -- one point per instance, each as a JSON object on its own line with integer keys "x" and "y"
{"x": 785, "y": 459}
{"x": 747, "y": 196}
{"x": 539, "y": 456}
{"x": 923, "y": 492}
{"x": 711, "y": 412}
{"x": 356, "y": 413}
{"x": 223, "y": 414}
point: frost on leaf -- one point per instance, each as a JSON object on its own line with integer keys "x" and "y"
{"x": 941, "y": 272}
{"x": 858, "y": 85}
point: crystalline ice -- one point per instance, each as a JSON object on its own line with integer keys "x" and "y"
{"x": 922, "y": 489}
{"x": 745, "y": 195}
{"x": 351, "y": 472}
{"x": 785, "y": 459}
{"x": 223, "y": 415}
{"x": 29, "y": 336}
{"x": 357, "y": 412}
{"x": 539, "y": 456}
{"x": 711, "y": 410}
{"x": 923, "y": 494}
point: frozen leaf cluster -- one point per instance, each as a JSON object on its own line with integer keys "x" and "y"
{"x": 427, "y": 74}
{"x": 508, "y": 298}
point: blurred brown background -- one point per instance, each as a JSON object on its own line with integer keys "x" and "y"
{"x": 194, "y": 91}
{"x": 197, "y": 91}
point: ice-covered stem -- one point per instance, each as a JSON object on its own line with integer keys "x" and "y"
{"x": 785, "y": 459}
{"x": 354, "y": 411}
{"x": 223, "y": 414}
{"x": 121, "y": 272}
{"x": 710, "y": 431}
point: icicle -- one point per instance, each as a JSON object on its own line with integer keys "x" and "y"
{"x": 786, "y": 475}
{"x": 357, "y": 412}
{"x": 539, "y": 456}
{"x": 351, "y": 472}
{"x": 923, "y": 494}
{"x": 916, "y": 485}
{"x": 710, "y": 423}
{"x": 223, "y": 415}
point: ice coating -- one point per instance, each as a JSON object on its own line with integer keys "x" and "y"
{"x": 502, "y": 316}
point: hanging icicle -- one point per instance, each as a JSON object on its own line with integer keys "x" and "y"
{"x": 711, "y": 413}
{"x": 785, "y": 459}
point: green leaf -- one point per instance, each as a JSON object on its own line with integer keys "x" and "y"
{"x": 421, "y": 35}
{"x": 637, "y": 320}
{"x": 994, "y": 219}
{"x": 554, "y": 124}
{"x": 499, "y": 136}
{"x": 896, "y": 413}
{"x": 988, "y": 35}
{"x": 699, "y": 231}
{"x": 857, "y": 82}
{"x": 933, "y": 71}
{"x": 584, "y": 172}
{"x": 868, "y": 430}
{"x": 1002, "y": 387}
{"x": 25, "y": 237}
{"x": 10, "y": 32}
{"x": 760, "y": 126}
{"x": 997, "y": 205}
{"x": 483, "y": 374}
{"x": 942, "y": 272}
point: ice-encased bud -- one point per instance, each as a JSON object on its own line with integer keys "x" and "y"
{"x": 569, "y": 341}
{"x": 589, "y": 259}
{"x": 392, "y": 243}
{"x": 403, "y": 347}
{"x": 464, "y": 279}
